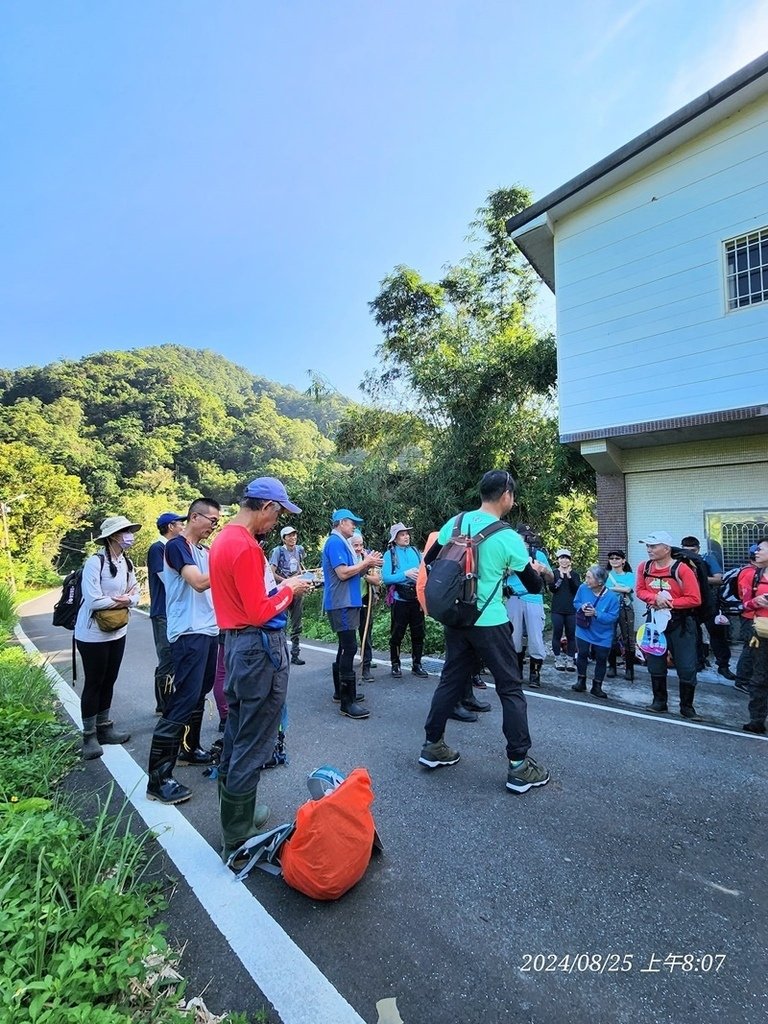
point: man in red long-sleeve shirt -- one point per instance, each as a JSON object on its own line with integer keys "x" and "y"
{"x": 753, "y": 591}
{"x": 251, "y": 610}
{"x": 667, "y": 585}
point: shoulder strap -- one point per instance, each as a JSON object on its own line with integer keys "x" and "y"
{"x": 490, "y": 530}
{"x": 756, "y": 582}
{"x": 457, "y": 524}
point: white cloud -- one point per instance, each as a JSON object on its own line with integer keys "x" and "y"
{"x": 609, "y": 33}
{"x": 737, "y": 38}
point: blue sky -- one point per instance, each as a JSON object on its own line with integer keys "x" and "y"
{"x": 241, "y": 175}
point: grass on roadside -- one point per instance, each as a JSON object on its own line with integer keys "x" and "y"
{"x": 77, "y": 940}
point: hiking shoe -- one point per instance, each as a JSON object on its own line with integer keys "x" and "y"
{"x": 479, "y": 683}
{"x": 433, "y": 755}
{"x": 570, "y": 665}
{"x": 561, "y": 662}
{"x": 757, "y": 727}
{"x": 296, "y": 660}
{"x": 740, "y": 684}
{"x": 725, "y": 672}
{"x": 417, "y": 670}
{"x": 528, "y": 775}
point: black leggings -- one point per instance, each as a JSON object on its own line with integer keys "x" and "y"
{"x": 101, "y": 663}
{"x": 345, "y": 656}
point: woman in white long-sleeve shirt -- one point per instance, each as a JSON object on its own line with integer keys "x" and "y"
{"x": 109, "y": 583}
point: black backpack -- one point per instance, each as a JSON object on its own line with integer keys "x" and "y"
{"x": 66, "y": 608}
{"x": 707, "y": 609}
{"x": 728, "y": 597}
{"x": 450, "y": 593}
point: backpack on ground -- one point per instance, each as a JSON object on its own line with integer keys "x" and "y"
{"x": 450, "y": 593}
{"x": 328, "y": 848}
{"x": 707, "y": 608}
{"x": 728, "y": 596}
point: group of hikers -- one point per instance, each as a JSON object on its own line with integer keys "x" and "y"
{"x": 220, "y": 615}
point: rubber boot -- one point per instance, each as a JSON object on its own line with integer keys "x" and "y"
{"x": 520, "y": 662}
{"x": 91, "y": 746}
{"x": 105, "y": 730}
{"x": 335, "y": 671}
{"x": 580, "y": 686}
{"x": 241, "y": 818}
{"x": 350, "y": 706}
{"x": 190, "y": 752}
{"x": 629, "y": 666}
{"x": 687, "y": 710}
{"x": 534, "y": 672}
{"x": 597, "y": 689}
{"x": 462, "y": 714}
{"x": 659, "y": 687}
{"x": 470, "y": 702}
{"x": 163, "y": 688}
{"x": 611, "y": 673}
{"x": 161, "y": 784}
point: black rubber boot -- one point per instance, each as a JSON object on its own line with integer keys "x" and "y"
{"x": 161, "y": 784}
{"x": 534, "y": 672}
{"x": 335, "y": 671}
{"x": 521, "y": 662}
{"x": 659, "y": 687}
{"x": 350, "y": 705}
{"x": 597, "y": 689}
{"x": 241, "y": 818}
{"x": 629, "y": 666}
{"x": 687, "y": 710}
{"x": 580, "y": 686}
{"x": 471, "y": 702}
{"x": 611, "y": 673}
{"x": 91, "y": 746}
{"x": 190, "y": 751}
{"x": 462, "y": 714}
{"x": 163, "y": 689}
{"x": 105, "y": 730}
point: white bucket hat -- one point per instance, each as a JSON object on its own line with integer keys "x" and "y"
{"x": 114, "y": 524}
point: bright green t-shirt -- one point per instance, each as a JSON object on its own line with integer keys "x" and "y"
{"x": 497, "y": 556}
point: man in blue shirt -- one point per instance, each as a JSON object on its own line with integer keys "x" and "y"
{"x": 400, "y": 569}
{"x": 342, "y": 601}
{"x": 170, "y": 525}
{"x": 192, "y": 633}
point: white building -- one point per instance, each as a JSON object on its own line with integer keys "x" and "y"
{"x": 658, "y": 257}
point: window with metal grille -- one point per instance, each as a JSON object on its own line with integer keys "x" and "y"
{"x": 730, "y": 534}
{"x": 746, "y": 269}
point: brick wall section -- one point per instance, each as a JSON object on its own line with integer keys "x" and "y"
{"x": 611, "y": 514}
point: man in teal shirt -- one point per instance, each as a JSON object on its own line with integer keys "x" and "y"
{"x": 489, "y": 640}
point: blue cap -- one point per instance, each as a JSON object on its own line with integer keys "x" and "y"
{"x": 344, "y": 513}
{"x": 166, "y": 518}
{"x": 753, "y": 550}
{"x": 269, "y": 488}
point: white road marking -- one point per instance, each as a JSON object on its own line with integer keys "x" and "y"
{"x": 300, "y": 993}
{"x": 649, "y": 717}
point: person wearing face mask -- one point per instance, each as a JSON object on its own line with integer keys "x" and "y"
{"x": 110, "y": 590}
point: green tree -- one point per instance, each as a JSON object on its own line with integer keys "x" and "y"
{"x": 464, "y": 355}
{"x": 43, "y": 503}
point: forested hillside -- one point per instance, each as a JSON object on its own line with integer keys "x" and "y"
{"x": 139, "y": 432}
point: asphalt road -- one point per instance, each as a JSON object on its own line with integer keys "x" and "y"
{"x": 573, "y": 903}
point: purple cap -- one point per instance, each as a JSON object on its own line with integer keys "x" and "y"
{"x": 166, "y": 518}
{"x": 269, "y": 488}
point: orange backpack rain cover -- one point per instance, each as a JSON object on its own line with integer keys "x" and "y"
{"x": 332, "y": 845}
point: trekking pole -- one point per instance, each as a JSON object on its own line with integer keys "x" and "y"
{"x": 367, "y": 624}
